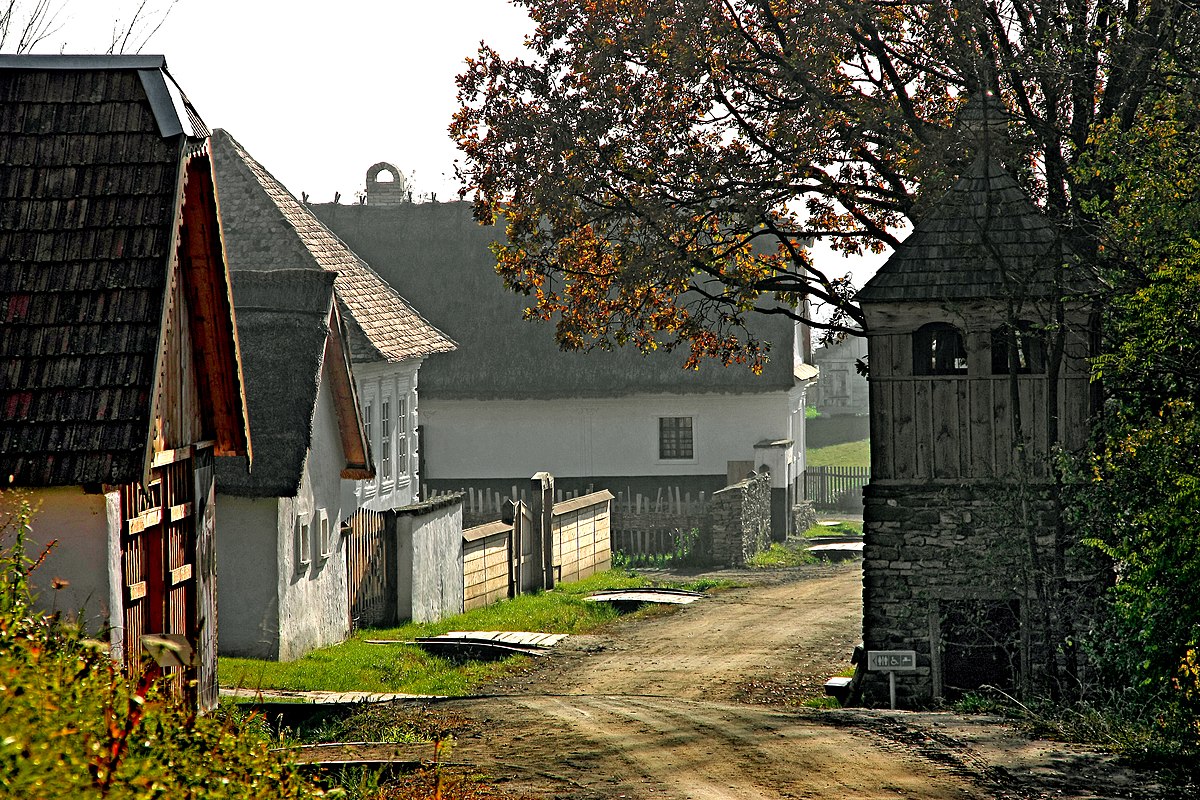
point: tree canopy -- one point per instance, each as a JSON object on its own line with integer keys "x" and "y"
{"x": 661, "y": 166}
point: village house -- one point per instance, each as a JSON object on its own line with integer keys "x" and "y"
{"x": 842, "y": 389}
{"x": 121, "y": 379}
{"x": 978, "y": 329}
{"x": 509, "y": 403}
{"x": 280, "y": 553}
{"x": 332, "y": 358}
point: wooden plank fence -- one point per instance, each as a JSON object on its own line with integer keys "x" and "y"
{"x": 371, "y": 565}
{"x": 834, "y": 487}
{"x": 487, "y": 505}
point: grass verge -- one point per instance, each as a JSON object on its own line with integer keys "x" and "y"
{"x": 355, "y": 665}
{"x": 847, "y": 454}
{"x": 843, "y": 528}
{"x": 781, "y": 555}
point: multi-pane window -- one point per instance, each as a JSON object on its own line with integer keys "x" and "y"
{"x": 402, "y": 438}
{"x": 368, "y": 413}
{"x": 385, "y": 440}
{"x": 675, "y": 438}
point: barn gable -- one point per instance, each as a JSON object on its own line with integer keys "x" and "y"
{"x": 95, "y": 157}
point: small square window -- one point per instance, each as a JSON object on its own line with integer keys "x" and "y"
{"x": 325, "y": 533}
{"x": 675, "y": 438}
{"x": 303, "y": 544}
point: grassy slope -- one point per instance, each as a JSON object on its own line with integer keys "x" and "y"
{"x": 849, "y": 454}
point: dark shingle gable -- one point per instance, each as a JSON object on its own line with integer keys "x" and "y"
{"x": 983, "y": 239}
{"x": 87, "y": 211}
{"x": 266, "y": 228}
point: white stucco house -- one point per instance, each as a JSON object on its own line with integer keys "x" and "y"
{"x": 508, "y": 403}
{"x": 342, "y": 438}
{"x": 280, "y": 554}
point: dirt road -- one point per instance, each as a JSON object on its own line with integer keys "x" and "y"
{"x": 703, "y": 704}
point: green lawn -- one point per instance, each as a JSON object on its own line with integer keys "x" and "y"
{"x": 848, "y": 454}
{"x": 355, "y": 665}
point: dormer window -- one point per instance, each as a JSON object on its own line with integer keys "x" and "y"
{"x": 1029, "y": 349}
{"x": 939, "y": 349}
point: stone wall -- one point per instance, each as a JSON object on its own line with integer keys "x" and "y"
{"x": 739, "y": 520}
{"x": 804, "y": 516}
{"x": 952, "y": 573}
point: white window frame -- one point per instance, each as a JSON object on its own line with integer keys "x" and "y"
{"x": 325, "y": 532}
{"x": 303, "y": 535}
{"x": 370, "y": 486}
{"x": 658, "y": 439}
{"x": 402, "y": 439}
{"x": 386, "y": 442}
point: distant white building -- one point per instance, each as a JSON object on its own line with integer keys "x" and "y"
{"x": 842, "y": 388}
{"x": 508, "y": 403}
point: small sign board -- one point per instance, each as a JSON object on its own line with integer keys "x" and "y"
{"x": 892, "y": 660}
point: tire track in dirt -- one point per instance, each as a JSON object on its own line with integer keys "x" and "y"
{"x": 647, "y": 711}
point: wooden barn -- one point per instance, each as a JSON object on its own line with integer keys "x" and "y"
{"x": 120, "y": 378}
{"x": 979, "y": 327}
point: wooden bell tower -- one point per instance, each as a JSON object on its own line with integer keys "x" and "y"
{"x": 978, "y": 332}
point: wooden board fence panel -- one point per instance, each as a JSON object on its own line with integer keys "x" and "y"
{"x": 371, "y": 563}
{"x": 835, "y": 487}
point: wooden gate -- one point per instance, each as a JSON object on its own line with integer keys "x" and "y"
{"x": 158, "y": 553}
{"x": 371, "y": 564}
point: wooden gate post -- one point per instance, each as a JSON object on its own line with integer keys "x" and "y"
{"x": 542, "y": 489}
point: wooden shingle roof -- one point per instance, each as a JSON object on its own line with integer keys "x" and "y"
{"x": 266, "y": 228}
{"x": 983, "y": 239}
{"x": 91, "y": 155}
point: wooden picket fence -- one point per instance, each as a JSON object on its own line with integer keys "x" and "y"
{"x": 834, "y": 487}
{"x": 659, "y": 530}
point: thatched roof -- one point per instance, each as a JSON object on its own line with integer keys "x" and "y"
{"x": 267, "y": 228}
{"x": 283, "y": 321}
{"x": 91, "y": 151}
{"x": 983, "y": 239}
{"x": 436, "y": 255}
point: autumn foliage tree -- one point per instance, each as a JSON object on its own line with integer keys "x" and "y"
{"x": 661, "y": 165}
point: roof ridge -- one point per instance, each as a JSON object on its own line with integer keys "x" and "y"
{"x": 388, "y": 324}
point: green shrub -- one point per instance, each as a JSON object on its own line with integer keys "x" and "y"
{"x": 75, "y": 726}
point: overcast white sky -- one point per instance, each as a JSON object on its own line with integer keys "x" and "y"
{"x": 320, "y": 91}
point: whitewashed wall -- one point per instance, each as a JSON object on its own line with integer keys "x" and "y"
{"x": 585, "y": 437}
{"x": 247, "y": 576}
{"x": 313, "y": 601}
{"x": 79, "y": 523}
{"x": 396, "y": 384}
{"x": 270, "y": 604}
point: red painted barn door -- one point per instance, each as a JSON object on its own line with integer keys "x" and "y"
{"x": 158, "y": 552}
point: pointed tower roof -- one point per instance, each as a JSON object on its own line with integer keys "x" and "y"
{"x": 983, "y": 239}
{"x": 266, "y": 228}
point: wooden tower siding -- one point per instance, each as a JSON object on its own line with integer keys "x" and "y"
{"x": 960, "y": 515}
{"x": 959, "y": 427}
